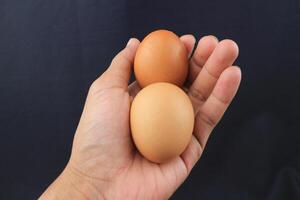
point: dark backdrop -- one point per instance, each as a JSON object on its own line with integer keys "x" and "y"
{"x": 51, "y": 50}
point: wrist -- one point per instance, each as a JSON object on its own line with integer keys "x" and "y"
{"x": 72, "y": 185}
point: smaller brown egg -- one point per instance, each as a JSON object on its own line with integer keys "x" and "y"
{"x": 162, "y": 121}
{"x": 161, "y": 57}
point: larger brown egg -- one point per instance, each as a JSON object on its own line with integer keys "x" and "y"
{"x": 162, "y": 121}
{"x": 161, "y": 57}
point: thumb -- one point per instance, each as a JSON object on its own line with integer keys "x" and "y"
{"x": 119, "y": 71}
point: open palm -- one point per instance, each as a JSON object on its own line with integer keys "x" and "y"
{"x": 103, "y": 153}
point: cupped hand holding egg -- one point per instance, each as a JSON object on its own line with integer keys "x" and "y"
{"x": 162, "y": 115}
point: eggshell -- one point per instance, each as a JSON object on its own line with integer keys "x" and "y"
{"x": 161, "y": 57}
{"x": 162, "y": 121}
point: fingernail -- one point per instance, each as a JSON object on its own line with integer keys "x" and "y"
{"x": 214, "y": 37}
{"x": 129, "y": 42}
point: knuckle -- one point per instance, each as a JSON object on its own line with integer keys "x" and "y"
{"x": 94, "y": 86}
{"x": 121, "y": 57}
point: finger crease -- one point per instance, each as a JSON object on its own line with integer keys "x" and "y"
{"x": 211, "y": 74}
{"x": 198, "y": 148}
{"x": 197, "y": 94}
{"x": 222, "y": 101}
{"x": 207, "y": 120}
{"x": 196, "y": 63}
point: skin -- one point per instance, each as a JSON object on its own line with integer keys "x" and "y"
{"x": 104, "y": 163}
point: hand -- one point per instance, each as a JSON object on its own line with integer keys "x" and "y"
{"x": 105, "y": 164}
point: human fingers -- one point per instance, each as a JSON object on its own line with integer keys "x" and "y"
{"x": 217, "y": 103}
{"x": 205, "y": 47}
{"x": 222, "y": 57}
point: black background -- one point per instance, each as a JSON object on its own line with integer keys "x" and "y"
{"x": 51, "y": 51}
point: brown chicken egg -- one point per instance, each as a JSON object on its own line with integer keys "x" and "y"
{"x": 162, "y": 121}
{"x": 161, "y": 57}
